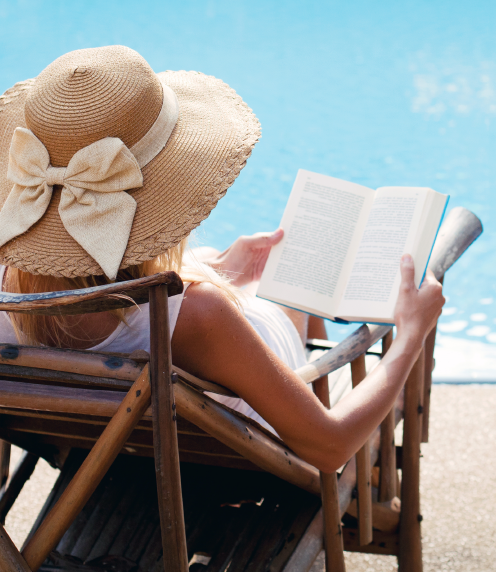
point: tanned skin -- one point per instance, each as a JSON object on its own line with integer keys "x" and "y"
{"x": 213, "y": 340}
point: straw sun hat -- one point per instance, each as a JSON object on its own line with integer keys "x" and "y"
{"x": 105, "y": 164}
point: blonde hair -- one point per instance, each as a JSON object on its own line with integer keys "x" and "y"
{"x": 56, "y": 330}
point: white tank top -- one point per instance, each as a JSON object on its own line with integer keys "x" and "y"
{"x": 268, "y": 320}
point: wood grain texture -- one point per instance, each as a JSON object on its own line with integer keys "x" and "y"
{"x": 410, "y": 554}
{"x": 51, "y": 398}
{"x": 266, "y": 452}
{"x": 333, "y": 535}
{"x": 430, "y": 342}
{"x": 10, "y": 558}
{"x": 387, "y": 455}
{"x": 345, "y": 352}
{"x": 62, "y": 378}
{"x": 364, "y": 468}
{"x": 225, "y": 515}
{"x": 175, "y": 556}
{"x": 70, "y": 361}
{"x": 87, "y": 300}
{"x": 385, "y": 516}
{"x": 90, "y": 474}
{"x": 458, "y": 231}
{"x": 311, "y": 542}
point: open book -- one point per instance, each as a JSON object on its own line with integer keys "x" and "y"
{"x": 339, "y": 258}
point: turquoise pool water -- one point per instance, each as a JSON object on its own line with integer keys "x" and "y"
{"x": 380, "y": 93}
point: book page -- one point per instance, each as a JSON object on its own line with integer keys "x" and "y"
{"x": 307, "y": 269}
{"x": 390, "y": 232}
{"x": 434, "y": 207}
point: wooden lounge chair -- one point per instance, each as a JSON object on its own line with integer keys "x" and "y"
{"x": 55, "y": 401}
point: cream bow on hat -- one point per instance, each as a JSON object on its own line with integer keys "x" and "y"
{"x": 94, "y": 207}
{"x": 189, "y": 155}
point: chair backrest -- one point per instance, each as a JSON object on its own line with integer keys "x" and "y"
{"x": 88, "y": 300}
{"x": 459, "y": 230}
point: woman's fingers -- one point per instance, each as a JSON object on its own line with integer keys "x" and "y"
{"x": 417, "y": 310}
{"x": 265, "y": 239}
{"x": 429, "y": 278}
{"x": 407, "y": 269}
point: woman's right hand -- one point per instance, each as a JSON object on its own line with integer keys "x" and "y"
{"x": 417, "y": 310}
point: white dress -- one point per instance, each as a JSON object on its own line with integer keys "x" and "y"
{"x": 268, "y": 320}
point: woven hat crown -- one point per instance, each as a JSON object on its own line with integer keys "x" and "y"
{"x": 190, "y": 134}
{"x": 90, "y": 94}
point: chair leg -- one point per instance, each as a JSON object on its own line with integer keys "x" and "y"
{"x": 364, "y": 470}
{"x": 333, "y": 534}
{"x": 165, "y": 443}
{"x": 387, "y": 457}
{"x": 429, "y": 366}
{"x": 91, "y": 472}
{"x": 4, "y": 462}
{"x": 410, "y": 551}
{"x": 11, "y": 559}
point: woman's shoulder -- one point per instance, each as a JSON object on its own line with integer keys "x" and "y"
{"x": 204, "y": 302}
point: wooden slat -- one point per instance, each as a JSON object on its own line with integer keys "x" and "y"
{"x": 410, "y": 555}
{"x": 129, "y": 499}
{"x": 74, "y": 532}
{"x": 274, "y": 532}
{"x": 10, "y": 558}
{"x": 59, "y": 399}
{"x": 139, "y": 512}
{"x": 84, "y": 363}
{"x": 87, "y": 300}
{"x": 387, "y": 455}
{"x": 96, "y": 522}
{"x": 53, "y": 377}
{"x": 167, "y": 470}
{"x": 254, "y": 532}
{"x": 364, "y": 468}
{"x": 87, "y": 478}
{"x": 204, "y": 443}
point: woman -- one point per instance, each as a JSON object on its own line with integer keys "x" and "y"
{"x": 105, "y": 168}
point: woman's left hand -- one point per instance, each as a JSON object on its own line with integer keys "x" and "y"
{"x": 245, "y": 259}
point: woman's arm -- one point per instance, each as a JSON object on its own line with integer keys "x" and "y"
{"x": 213, "y": 340}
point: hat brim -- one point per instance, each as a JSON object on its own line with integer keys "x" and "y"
{"x": 214, "y": 135}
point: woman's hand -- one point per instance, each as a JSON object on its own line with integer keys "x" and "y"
{"x": 245, "y": 259}
{"x": 417, "y": 311}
